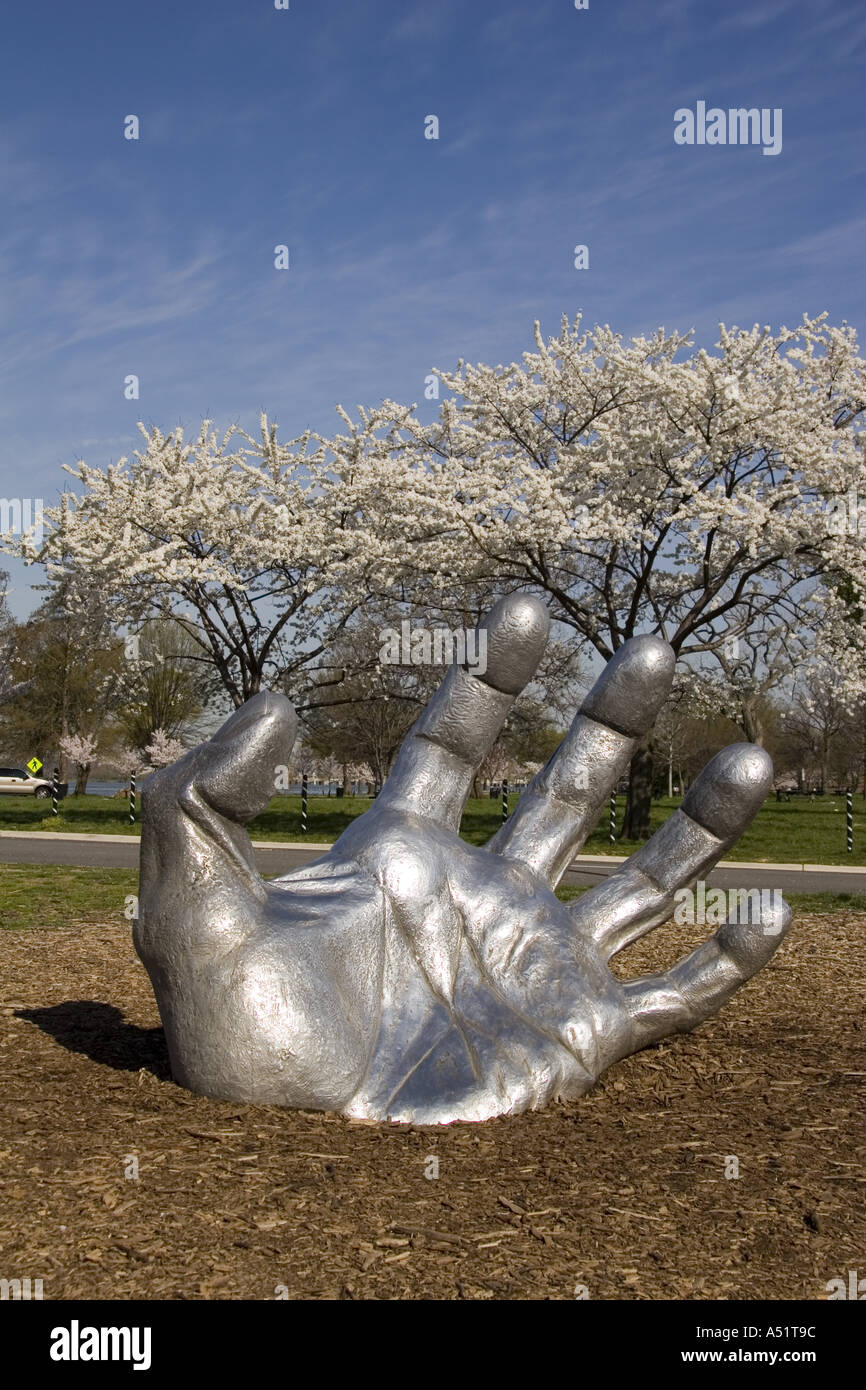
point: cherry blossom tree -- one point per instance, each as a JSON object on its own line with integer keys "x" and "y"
{"x": 162, "y": 750}
{"x": 126, "y": 761}
{"x": 645, "y": 487}
{"x": 249, "y": 545}
{"x": 80, "y": 749}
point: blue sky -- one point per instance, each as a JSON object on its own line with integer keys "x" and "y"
{"x": 306, "y": 127}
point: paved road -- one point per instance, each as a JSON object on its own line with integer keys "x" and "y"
{"x": 121, "y": 852}
{"x": 788, "y": 879}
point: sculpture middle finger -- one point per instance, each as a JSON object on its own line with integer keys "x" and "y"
{"x": 562, "y": 803}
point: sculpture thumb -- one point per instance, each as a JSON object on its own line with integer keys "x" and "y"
{"x": 193, "y": 811}
{"x": 236, "y": 771}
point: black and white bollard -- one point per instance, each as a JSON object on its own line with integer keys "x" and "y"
{"x": 132, "y": 798}
{"x": 849, "y": 821}
{"x": 54, "y": 790}
{"x": 504, "y": 801}
{"x": 303, "y": 803}
{"x": 613, "y": 818}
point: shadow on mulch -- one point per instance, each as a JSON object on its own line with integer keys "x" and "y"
{"x": 101, "y": 1032}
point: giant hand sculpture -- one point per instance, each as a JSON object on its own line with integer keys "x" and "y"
{"x": 409, "y": 976}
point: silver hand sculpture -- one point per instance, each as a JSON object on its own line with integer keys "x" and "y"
{"x": 409, "y": 976}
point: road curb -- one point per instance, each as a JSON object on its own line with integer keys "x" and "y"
{"x": 581, "y": 860}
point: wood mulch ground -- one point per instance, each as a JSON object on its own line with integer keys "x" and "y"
{"x": 623, "y": 1193}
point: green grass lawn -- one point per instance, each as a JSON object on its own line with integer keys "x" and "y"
{"x": 33, "y": 895}
{"x": 798, "y": 831}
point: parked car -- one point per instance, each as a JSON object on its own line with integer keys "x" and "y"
{"x": 17, "y": 781}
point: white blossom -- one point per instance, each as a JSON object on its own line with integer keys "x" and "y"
{"x": 162, "y": 750}
{"x": 80, "y": 749}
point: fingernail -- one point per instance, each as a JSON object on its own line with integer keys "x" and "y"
{"x": 517, "y": 629}
{"x": 730, "y": 790}
{"x": 633, "y": 686}
{"x": 265, "y": 705}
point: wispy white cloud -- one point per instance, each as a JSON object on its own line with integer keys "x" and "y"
{"x": 756, "y": 14}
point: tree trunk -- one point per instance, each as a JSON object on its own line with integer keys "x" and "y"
{"x": 752, "y": 724}
{"x": 636, "y": 825}
{"x": 81, "y": 780}
{"x": 62, "y": 761}
{"x": 64, "y": 724}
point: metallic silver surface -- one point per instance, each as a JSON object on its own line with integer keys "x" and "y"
{"x": 409, "y": 976}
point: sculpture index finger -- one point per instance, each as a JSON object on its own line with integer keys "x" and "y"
{"x": 433, "y": 773}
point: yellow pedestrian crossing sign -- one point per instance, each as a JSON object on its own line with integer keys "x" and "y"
{"x": 34, "y": 765}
